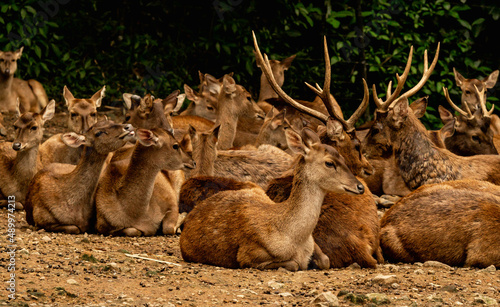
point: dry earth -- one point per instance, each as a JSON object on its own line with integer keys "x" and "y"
{"x": 92, "y": 270}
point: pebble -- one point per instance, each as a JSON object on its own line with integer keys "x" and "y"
{"x": 489, "y": 269}
{"x": 384, "y": 279}
{"x": 46, "y": 239}
{"x": 378, "y": 298}
{"x": 437, "y": 264}
{"x": 72, "y": 282}
{"x": 285, "y": 294}
{"x": 275, "y": 285}
{"x": 325, "y": 299}
{"x": 485, "y": 300}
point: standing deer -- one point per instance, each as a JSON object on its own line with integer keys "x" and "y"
{"x": 31, "y": 93}
{"x": 19, "y": 160}
{"x": 132, "y": 199}
{"x": 268, "y": 235}
{"x": 348, "y": 227}
{"x": 61, "y": 196}
{"x": 454, "y": 222}
{"x": 82, "y": 116}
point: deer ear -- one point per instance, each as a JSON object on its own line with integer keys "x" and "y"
{"x": 73, "y": 139}
{"x": 186, "y": 143}
{"x": 49, "y": 111}
{"x": 419, "y": 106}
{"x": 491, "y": 80}
{"x": 215, "y": 132}
{"x": 147, "y": 137}
{"x": 201, "y": 76}
{"x": 309, "y": 137}
{"x": 228, "y": 84}
{"x": 334, "y": 129}
{"x": 400, "y": 112}
{"x": 459, "y": 79}
{"x": 68, "y": 97}
{"x": 445, "y": 115}
{"x": 294, "y": 142}
{"x": 170, "y": 103}
{"x": 98, "y": 96}
{"x": 190, "y": 94}
{"x": 127, "y": 99}
{"x": 19, "y": 52}
{"x": 448, "y": 129}
{"x": 286, "y": 63}
{"x": 278, "y": 120}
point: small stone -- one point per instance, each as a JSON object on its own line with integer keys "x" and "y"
{"x": 72, "y": 282}
{"x": 395, "y": 285}
{"x": 378, "y": 298}
{"x": 384, "y": 279}
{"x": 325, "y": 299}
{"x": 46, "y": 239}
{"x": 355, "y": 265}
{"x": 437, "y": 264}
{"x": 489, "y": 269}
{"x": 485, "y": 300}
{"x": 285, "y": 294}
{"x": 275, "y": 285}
{"x": 419, "y": 271}
{"x": 450, "y": 288}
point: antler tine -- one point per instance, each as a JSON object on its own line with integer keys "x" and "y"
{"x": 427, "y": 73}
{"x": 467, "y": 114}
{"x": 362, "y": 107}
{"x": 385, "y": 105}
{"x": 482, "y": 101}
{"x": 266, "y": 69}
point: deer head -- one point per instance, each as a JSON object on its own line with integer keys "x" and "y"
{"x": 82, "y": 112}
{"x": 470, "y": 97}
{"x": 29, "y": 127}
{"x": 205, "y": 102}
{"x": 278, "y": 69}
{"x": 8, "y": 61}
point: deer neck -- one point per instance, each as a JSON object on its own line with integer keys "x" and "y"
{"x": 227, "y": 132}
{"x": 87, "y": 171}
{"x": 204, "y": 161}
{"x": 137, "y": 185}
{"x": 420, "y": 161}
{"x": 303, "y": 207}
{"x": 25, "y": 165}
{"x": 5, "y": 85}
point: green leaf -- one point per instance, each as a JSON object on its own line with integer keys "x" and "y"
{"x": 446, "y": 5}
{"x": 478, "y": 21}
{"x": 38, "y": 51}
{"x": 465, "y": 24}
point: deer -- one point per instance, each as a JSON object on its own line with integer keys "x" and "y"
{"x": 348, "y": 227}
{"x": 31, "y": 93}
{"x": 3, "y": 130}
{"x": 82, "y": 116}
{"x": 19, "y": 160}
{"x": 61, "y": 196}
{"x": 268, "y": 235}
{"x": 122, "y": 208}
{"x": 419, "y": 160}
{"x": 453, "y": 222}
{"x": 471, "y": 134}
{"x": 471, "y": 100}
{"x": 204, "y": 103}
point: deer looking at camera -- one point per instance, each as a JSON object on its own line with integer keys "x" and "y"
{"x": 268, "y": 235}
{"x": 61, "y": 196}
{"x": 82, "y": 116}
{"x": 453, "y": 222}
{"x": 31, "y": 93}
{"x": 348, "y": 227}
{"x": 205, "y": 102}
{"x": 19, "y": 160}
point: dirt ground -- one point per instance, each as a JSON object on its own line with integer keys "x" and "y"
{"x": 54, "y": 269}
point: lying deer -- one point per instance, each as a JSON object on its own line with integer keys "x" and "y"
{"x": 122, "y": 207}
{"x": 348, "y": 227}
{"x": 204, "y": 103}
{"x": 454, "y": 222}
{"x": 268, "y": 235}
{"x": 31, "y": 93}
{"x": 61, "y": 196}
{"x": 82, "y": 116}
{"x": 19, "y": 160}
{"x": 471, "y": 99}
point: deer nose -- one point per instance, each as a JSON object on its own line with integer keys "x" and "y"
{"x": 128, "y": 127}
{"x": 7, "y": 71}
{"x": 16, "y": 146}
{"x": 361, "y": 188}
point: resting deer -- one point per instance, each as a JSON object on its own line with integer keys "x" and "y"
{"x": 61, "y": 196}
{"x": 268, "y": 235}
{"x": 19, "y": 160}
{"x": 31, "y": 93}
{"x": 454, "y": 222}
{"x": 204, "y": 103}
{"x": 471, "y": 99}
{"x": 82, "y": 116}
{"x": 132, "y": 199}
{"x": 348, "y": 228}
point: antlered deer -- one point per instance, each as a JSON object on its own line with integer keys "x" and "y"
{"x": 61, "y": 196}
{"x": 268, "y": 235}
{"x": 454, "y": 222}
{"x": 31, "y": 93}
{"x": 19, "y": 160}
{"x": 82, "y": 116}
{"x": 131, "y": 199}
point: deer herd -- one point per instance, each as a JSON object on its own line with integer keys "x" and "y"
{"x": 274, "y": 183}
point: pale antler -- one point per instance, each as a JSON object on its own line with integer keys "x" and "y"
{"x": 467, "y": 113}
{"x": 482, "y": 101}
{"x": 264, "y": 64}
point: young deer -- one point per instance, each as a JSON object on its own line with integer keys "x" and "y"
{"x": 61, "y": 196}
{"x": 82, "y": 116}
{"x": 19, "y": 161}
{"x": 455, "y": 222}
{"x": 268, "y": 235}
{"x": 131, "y": 199}
{"x": 31, "y": 93}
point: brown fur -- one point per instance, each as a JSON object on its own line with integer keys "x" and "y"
{"x": 19, "y": 160}
{"x": 3, "y": 131}
{"x": 31, "y": 93}
{"x": 82, "y": 116}
{"x": 455, "y": 223}
{"x": 61, "y": 196}
{"x": 131, "y": 199}
{"x": 267, "y": 235}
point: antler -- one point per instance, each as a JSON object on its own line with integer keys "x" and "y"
{"x": 264, "y": 64}
{"x": 467, "y": 113}
{"x": 482, "y": 101}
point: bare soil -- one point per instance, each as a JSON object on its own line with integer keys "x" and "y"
{"x": 53, "y": 269}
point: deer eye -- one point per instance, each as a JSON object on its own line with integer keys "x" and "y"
{"x": 176, "y": 146}
{"x": 34, "y": 128}
{"x": 73, "y": 115}
{"x": 93, "y": 114}
{"x": 467, "y": 92}
{"x": 210, "y": 108}
{"x": 99, "y": 133}
{"x": 476, "y": 139}
{"x": 330, "y": 164}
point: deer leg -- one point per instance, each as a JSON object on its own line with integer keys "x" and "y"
{"x": 320, "y": 259}
{"x": 290, "y": 265}
{"x": 169, "y": 223}
{"x": 69, "y": 229}
{"x": 130, "y": 232}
